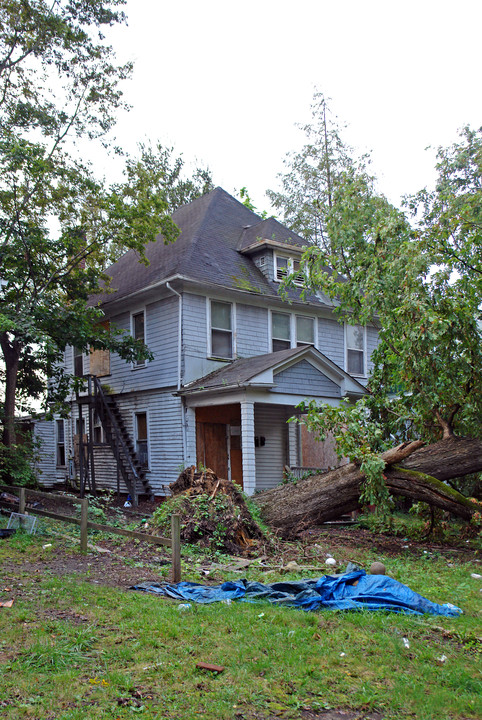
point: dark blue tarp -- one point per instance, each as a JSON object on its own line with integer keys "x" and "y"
{"x": 351, "y": 591}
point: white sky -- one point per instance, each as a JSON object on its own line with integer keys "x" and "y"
{"x": 225, "y": 82}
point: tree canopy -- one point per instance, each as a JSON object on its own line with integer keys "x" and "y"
{"x": 59, "y": 226}
{"x": 415, "y": 274}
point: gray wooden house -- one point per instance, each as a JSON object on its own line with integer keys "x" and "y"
{"x": 231, "y": 360}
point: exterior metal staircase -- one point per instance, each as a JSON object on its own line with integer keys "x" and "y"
{"x": 120, "y": 442}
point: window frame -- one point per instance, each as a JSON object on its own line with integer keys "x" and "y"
{"x": 298, "y": 279}
{"x": 137, "y": 413}
{"x": 231, "y": 331}
{"x": 137, "y": 365}
{"x": 290, "y": 325}
{"x": 78, "y": 353}
{"x": 293, "y": 328}
{"x": 305, "y": 317}
{"x": 60, "y": 443}
{"x": 364, "y": 372}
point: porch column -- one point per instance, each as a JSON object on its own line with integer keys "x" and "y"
{"x": 247, "y": 447}
{"x": 190, "y": 430}
{"x": 293, "y": 444}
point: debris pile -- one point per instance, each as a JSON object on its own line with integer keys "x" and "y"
{"x": 213, "y": 512}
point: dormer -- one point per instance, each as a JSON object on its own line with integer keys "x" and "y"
{"x": 273, "y": 249}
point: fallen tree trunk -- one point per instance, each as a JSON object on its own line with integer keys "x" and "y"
{"x": 325, "y": 497}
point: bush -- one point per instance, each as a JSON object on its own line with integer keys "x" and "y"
{"x": 17, "y": 463}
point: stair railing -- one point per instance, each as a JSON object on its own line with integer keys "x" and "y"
{"x": 119, "y": 440}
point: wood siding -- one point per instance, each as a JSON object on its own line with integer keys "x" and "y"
{"x": 270, "y": 424}
{"x": 304, "y": 379}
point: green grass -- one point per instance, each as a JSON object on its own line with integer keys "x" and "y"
{"x": 71, "y": 650}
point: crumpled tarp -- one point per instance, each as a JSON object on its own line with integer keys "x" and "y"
{"x": 351, "y": 591}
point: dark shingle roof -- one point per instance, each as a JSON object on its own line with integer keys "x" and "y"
{"x": 213, "y": 228}
{"x": 239, "y": 372}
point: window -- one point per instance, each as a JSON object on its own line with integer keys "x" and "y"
{"x": 60, "y": 443}
{"x": 139, "y": 332}
{"x": 78, "y": 362}
{"x": 355, "y": 349}
{"x": 221, "y": 330}
{"x": 287, "y": 266}
{"x": 280, "y": 331}
{"x": 141, "y": 439}
{"x": 98, "y": 431}
{"x": 305, "y": 330}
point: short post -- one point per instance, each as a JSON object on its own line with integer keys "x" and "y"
{"x": 21, "y": 501}
{"x": 176, "y": 547}
{"x": 84, "y": 514}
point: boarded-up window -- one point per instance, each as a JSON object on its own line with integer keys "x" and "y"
{"x": 100, "y": 359}
{"x": 100, "y": 362}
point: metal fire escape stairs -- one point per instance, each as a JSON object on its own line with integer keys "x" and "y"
{"x": 129, "y": 468}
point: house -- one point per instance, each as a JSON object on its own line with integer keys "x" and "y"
{"x": 231, "y": 360}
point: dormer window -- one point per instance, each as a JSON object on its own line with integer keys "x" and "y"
{"x": 288, "y": 265}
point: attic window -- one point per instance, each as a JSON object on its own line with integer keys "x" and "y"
{"x": 287, "y": 265}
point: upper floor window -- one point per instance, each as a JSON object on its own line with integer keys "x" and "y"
{"x": 305, "y": 330}
{"x": 78, "y": 356}
{"x": 355, "y": 349}
{"x": 138, "y": 323}
{"x": 281, "y": 331}
{"x": 286, "y": 265}
{"x": 221, "y": 330}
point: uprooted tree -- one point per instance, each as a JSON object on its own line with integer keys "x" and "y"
{"x": 416, "y": 275}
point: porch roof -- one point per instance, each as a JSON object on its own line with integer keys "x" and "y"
{"x": 259, "y": 371}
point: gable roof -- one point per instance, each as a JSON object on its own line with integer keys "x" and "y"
{"x": 215, "y": 230}
{"x": 259, "y": 371}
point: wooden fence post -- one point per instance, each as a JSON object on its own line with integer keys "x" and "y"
{"x": 84, "y": 514}
{"x": 176, "y": 547}
{"x": 21, "y": 501}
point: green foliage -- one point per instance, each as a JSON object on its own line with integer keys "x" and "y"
{"x": 59, "y": 226}
{"x": 413, "y": 274}
{"x": 357, "y": 438}
{"x": 17, "y": 463}
{"x": 308, "y": 186}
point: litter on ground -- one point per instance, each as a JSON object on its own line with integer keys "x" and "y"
{"x": 351, "y": 591}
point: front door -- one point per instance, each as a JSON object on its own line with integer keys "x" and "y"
{"x": 218, "y": 441}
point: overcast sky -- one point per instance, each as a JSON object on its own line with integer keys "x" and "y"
{"x": 225, "y": 82}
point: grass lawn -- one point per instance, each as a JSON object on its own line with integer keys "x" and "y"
{"x": 73, "y": 647}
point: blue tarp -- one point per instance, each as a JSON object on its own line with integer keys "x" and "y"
{"x": 351, "y": 591}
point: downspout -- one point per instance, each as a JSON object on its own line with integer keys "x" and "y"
{"x": 179, "y": 369}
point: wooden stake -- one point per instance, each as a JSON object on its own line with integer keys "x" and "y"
{"x": 84, "y": 514}
{"x": 176, "y": 547}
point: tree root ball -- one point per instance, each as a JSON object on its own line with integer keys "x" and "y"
{"x": 378, "y": 568}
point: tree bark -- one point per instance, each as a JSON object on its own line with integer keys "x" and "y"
{"x": 11, "y": 354}
{"x": 420, "y": 476}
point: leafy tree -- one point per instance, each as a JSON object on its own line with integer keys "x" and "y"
{"x": 309, "y": 185}
{"x": 416, "y": 275}
{"x": 59, "y": 227}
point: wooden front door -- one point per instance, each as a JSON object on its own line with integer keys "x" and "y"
{"x": 212, "y": 447}
{"x": 218, "y": 441}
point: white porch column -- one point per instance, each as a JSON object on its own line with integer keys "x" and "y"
{"x": 190, "y": 430}
{"x": 293, "y": 444}
{"x": 247, "y": 447}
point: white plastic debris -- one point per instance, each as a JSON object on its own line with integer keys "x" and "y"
{"x": 184, "y": 606}
{"x": 330, "y": 561}
{"x": 406, "y": 643}
{"x": 342, "y": 654}
{"x": 476, "y": 576}
{"x": 47, "y": 545}
{"x": 442, "y": 659}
